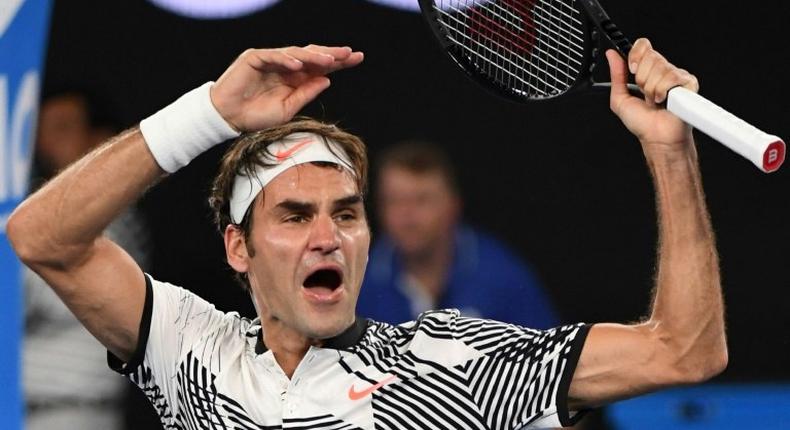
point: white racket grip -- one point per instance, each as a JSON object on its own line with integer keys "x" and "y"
{"x": 766, "y": 151}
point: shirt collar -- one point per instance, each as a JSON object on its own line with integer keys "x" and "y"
{"x": 345, "y": 340}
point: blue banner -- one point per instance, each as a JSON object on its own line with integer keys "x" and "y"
{"x": 706, "y": 407}
{"x": 23, "y": 31}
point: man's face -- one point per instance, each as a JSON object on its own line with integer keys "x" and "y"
{"x": 310, "y": 239}
{"x": 418, "y": 210}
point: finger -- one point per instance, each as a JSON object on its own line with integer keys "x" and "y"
{"x": 619, "y": 77}
{"x": 645, "y": 66}
{"x": 649, "y": 65}
{"x": 304, "y": 94}
{"x": 338, "y": 52}
{"x": 266, "y": 60}
{"x": 690, "y": 80}
{"x": 354, "y": 59}
{"x": 344, "y": 56}
{"x": 311, "y": 57}
{"x": 675, "y": 78}
{"x": 641, "y": 46}
{"x": 658, "y": 72}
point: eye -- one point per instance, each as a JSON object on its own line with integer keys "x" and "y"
{"x": 296, "y": 219}
{"x": 346, "y": 216}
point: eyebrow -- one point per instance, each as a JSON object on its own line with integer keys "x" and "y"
{"x": 347, "y": 201}
{"x": 307, "y": 207}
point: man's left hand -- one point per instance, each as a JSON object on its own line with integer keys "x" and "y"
{"x": 657, "y": 129}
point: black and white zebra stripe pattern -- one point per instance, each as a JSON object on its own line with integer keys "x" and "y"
{"x": 447, "y": 372}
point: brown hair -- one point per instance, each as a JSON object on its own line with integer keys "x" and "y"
{"x": 246, "y": 154}
{"x": 420, "y": 157}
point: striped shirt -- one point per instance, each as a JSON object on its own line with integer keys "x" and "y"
{"x": 205, "y": 369}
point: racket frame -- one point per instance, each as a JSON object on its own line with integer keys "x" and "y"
{"x": 584, "y": 79}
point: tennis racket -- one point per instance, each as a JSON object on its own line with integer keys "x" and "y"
{"x": 527, "y": 50}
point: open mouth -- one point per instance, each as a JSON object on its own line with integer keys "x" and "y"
{"x": 323, "y": 282}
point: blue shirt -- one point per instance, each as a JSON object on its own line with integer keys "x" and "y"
{"x": 485, "y": 280}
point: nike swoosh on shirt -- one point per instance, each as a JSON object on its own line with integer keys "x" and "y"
{"x": 356, "y": 395}
{"x": 282, "y": 155}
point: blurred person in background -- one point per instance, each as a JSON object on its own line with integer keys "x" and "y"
{"x": 66, "y": 380}
{"x": 427, "y": 258}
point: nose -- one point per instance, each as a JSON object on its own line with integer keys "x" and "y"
{"x": 324, "y": 236}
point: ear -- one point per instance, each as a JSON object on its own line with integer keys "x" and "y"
{"x": 236, "y": 249}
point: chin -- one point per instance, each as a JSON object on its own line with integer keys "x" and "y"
{"x": 329, "y": 328}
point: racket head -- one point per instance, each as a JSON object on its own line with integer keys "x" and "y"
{"x": 522, "y": 50}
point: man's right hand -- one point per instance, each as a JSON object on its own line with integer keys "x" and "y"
{"x": 267, "y": 87}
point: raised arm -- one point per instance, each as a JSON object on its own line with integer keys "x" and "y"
{"x": 58, "y": 230}
{"x": 683, "y": 341}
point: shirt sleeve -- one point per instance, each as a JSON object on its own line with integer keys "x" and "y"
{"x": 174, "y": 320}
{"x": 522, "y": 379}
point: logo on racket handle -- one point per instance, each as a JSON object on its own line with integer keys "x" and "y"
{"x": 774, "y": 156}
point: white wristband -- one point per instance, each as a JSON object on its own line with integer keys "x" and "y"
{"x": 185, "y": 129}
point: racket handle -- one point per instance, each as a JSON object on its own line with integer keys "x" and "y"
{"x": 766, "y": 151}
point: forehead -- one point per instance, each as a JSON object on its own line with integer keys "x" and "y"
{"x": 63, "y": 105}
{"x": 310, "y": 183}
{"x": 399, "y": 177}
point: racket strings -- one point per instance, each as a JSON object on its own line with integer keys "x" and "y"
{"x": 495, "y": 63}
{"x": 532, "y": 47}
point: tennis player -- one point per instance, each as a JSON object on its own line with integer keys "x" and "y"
{"x": 288, "y": 198}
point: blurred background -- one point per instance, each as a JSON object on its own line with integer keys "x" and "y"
{"x": 561, "y": 183}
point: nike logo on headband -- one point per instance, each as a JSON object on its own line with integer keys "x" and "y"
{"x": 356, "y": 395}
{"x": 282, "y": 155}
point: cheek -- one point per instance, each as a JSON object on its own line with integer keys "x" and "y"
{"x": 425, "y": 216}
{"x": 279, "y": 242}
{"x": 391, "y": 211}
{"x": 358, "y": 242}
{"x": 440, "y": 213}
{"x": 278, "y": 250}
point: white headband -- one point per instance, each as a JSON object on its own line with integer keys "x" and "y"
{"x": 296, "y": 148}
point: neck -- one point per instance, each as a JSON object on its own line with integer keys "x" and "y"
{"x": 430, "y": 266}
{"x": 287, "y": 345}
